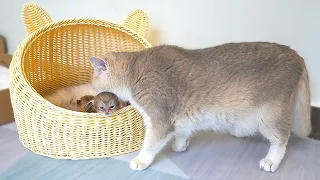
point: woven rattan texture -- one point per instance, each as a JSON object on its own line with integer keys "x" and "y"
{"x": 54, "y": 56}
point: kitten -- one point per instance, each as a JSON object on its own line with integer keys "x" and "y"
{"x": 105, "y": 103}
{"x": 85, "y": 104}
{"x": 67, "y": 97}
{"x": 239, "y": 88}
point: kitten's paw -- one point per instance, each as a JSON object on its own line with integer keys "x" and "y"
{"x": 268, "y": 165}
{"x": 137, "y": 164}
{"x": 180, "y": 145}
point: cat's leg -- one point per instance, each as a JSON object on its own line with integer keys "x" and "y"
{"x": 180, "y": 143}
{"x": 157, "y": 136}
{"x": 241, "y": 132}
{"x": 277, "y": 130}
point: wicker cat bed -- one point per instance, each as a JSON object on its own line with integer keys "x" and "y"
{"x": 54, "y": 55}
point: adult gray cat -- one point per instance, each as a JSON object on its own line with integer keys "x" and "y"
{"x": 239, "y": 88}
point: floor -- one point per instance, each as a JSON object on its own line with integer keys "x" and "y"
{"x": 210, "y": 156}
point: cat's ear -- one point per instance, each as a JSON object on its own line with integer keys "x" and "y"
{"x": 99, "y": 64}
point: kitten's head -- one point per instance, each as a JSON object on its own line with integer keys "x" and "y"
{"x": 85, "y": 104}
{"x": 110, "y": 74}
{"x": 106, "y": 103}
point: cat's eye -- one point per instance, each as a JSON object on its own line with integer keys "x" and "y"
{"x": 101, "y": 108}
{"x": 111, "y": 107}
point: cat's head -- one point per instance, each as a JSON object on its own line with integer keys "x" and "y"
{"x": 109, "y": 75}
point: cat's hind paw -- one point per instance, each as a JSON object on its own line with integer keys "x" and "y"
{"x": 180, "y": 145}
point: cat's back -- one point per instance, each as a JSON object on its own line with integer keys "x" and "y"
{"x": 242, "y": 52}
{"x": 255, "y": 59}
{"x": 239, "y": 65}
{"x": 246, "y": 50}
{"x": 243, "y": 57}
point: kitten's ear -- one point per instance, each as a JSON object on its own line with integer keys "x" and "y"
{"x": 122, "y": 105}
{"x": 99, "y": 64}
{"x": 91, "y": 102}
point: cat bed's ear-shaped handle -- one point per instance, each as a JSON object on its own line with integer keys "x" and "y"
{"x": 34, "y": 17}
{"x": 138, "y": 21}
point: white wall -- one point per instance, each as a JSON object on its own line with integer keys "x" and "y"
{"x": 196, "y": 23}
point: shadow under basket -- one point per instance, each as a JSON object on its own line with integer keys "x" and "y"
{"x": 57, "y": 55}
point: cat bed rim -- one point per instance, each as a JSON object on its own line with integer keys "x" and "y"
{"x": 23, "y": 46}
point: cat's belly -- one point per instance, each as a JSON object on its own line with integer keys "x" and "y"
{"x": 221, "y": 122}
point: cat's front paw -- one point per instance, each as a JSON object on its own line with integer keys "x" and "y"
{"x": 180, "y": 145}
{"x": 268, "y": 165}
{"x": 137, "y": 164}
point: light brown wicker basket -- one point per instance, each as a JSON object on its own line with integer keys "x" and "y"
{"x": 54, "y": 55}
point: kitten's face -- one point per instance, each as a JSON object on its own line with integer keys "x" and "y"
{"x": 106, "y": 103}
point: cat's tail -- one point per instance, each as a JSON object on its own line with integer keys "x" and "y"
{"x": 302, "y": 108}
